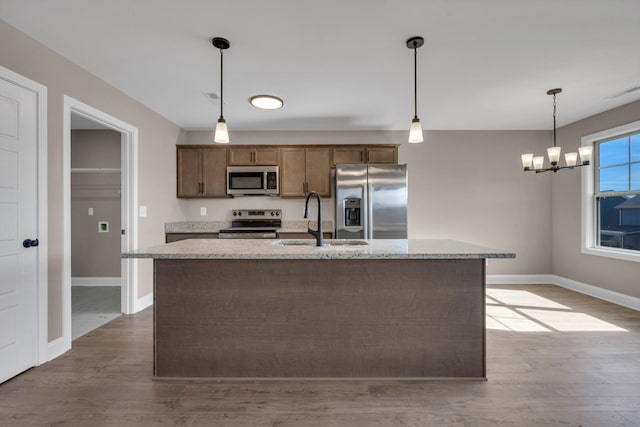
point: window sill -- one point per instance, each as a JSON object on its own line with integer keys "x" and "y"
{"x": 620, "y": 254}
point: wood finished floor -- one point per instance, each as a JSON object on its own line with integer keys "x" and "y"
{"x": 555, "y": 358}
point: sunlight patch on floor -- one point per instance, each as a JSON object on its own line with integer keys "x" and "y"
{"x": 524, "y": 311}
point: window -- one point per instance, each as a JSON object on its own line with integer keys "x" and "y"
{"x": 611, "y": 202}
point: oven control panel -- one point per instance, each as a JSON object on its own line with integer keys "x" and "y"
{"x": 256, "y": 214}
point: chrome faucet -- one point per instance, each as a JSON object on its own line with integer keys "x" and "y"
{"x": 317, "y": 233}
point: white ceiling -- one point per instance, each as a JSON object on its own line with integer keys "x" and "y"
{"x": 344, "y": 64}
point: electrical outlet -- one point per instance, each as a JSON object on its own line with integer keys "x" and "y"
{"x": 203, "y": 211}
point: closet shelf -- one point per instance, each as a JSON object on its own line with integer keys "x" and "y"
{"x": 95, "y": 170}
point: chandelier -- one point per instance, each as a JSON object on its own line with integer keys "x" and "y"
{"x": 536, "y": 163}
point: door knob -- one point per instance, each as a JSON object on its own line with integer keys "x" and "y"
{"x": 28, "y": 243}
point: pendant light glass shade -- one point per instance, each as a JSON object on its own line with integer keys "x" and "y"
{"x": 415, "y": 132}
{"x": 222, "y": 135}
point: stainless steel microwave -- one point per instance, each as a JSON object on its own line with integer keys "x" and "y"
{"x": 253, "y": 181}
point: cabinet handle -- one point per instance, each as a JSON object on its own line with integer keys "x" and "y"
{"x": 253, "y": 157}
{"x": 200, "y": 187}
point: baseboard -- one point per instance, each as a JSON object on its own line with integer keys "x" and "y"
{"x": 57, "y": 348}
{"x": 144, "y": 302}
{"x": 521, "y": 279}
{"x": 96, "y": 281}
{"x": 583, "y": 288}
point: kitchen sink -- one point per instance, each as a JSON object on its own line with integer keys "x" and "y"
{"x": 310, "y": 242}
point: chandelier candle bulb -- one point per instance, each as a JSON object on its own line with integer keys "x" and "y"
{"x": 527, "y": 161}
{"x": 538, "y": 162}
{"x": 585, "y": 154}
{"x": 571, "y": 158}
{"x": 554, "y": 154}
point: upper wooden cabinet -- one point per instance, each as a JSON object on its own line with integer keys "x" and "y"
{"x": 356, "y": 154}
{"x": 248, "y": 156}
{"x": 305, "y": 169}
{"x": 201, "y": 171}
{"x": 350, "y": 154}
{"x": 382, "y": 154}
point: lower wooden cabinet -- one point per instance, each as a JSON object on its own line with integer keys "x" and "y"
{"x": 174, "y": 237}
{"x": 302, "y": 235}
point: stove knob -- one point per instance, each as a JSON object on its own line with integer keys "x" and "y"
{"x": 277, "y": 213}
{"x": 239, "y": 213}
{"x": 235, "y": 213}
{"x": 272, "y": 213}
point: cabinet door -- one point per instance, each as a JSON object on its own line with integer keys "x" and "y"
{"x": 189, "y": 172}
{"x": 241, "y": 156}
{"x": 266, "y": 156}
{"x": 318, "y": 170}
{"x": 347, "y": 155}
{"x": 214, "y": 172}
{"x": 382, "y": 154}
{"x": 292, "y": 172}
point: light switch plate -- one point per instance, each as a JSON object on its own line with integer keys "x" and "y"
{"x": 143, "y": 211}
{"x": 203, "y": 211}
{"x": 90, "y": 212}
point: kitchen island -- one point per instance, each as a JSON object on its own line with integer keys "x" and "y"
{"x": 246, "y": 309}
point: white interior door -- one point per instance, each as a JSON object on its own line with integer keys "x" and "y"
{"x": 18, "y": 224}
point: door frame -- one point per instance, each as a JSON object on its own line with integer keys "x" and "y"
{"x": 129, "y": 205}
{"x": 42, "y": 323}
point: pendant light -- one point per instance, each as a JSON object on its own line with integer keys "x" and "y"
{"x": 415, "y": 132}
{"x": 529, "y": 160}
{"x": 222, "y": 134}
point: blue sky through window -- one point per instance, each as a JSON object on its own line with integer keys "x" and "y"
{"x": 619, "y": 164}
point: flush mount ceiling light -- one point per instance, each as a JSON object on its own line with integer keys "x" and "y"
{"x": 266, "y": 102}
{"x": 222, "y": 134}
{"x": 529, "y": 160}
{"x": 415, "y": 132}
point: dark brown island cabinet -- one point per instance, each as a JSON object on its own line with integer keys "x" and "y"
{"x": 259, "y": 309}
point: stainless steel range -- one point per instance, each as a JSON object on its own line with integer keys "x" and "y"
{"x": 253, "y": 224}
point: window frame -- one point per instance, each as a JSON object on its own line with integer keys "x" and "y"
{"x": 589, "y": 194}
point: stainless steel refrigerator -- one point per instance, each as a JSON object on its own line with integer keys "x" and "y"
{"x": 371, "y": 201}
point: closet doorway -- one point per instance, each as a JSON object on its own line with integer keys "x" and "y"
{"x": 96, "y": 213}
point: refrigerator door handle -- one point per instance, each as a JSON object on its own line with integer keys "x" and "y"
{"x": 369, "y": 192}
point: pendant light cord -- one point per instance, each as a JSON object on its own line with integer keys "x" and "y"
{"x": 221, "y": 87}
{"x": 415, "y": 81}
{"x": 554, "y": 119}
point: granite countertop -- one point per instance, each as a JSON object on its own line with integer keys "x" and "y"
{"x": 288, "y": 226}
{"x": 306, "y": 249}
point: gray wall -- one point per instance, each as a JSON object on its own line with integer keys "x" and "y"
{"x": 157, "y": 165}
{"x": 465, "y": 185}
{"x": 568, "y": 261}
{"x": 94, "y": 253}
